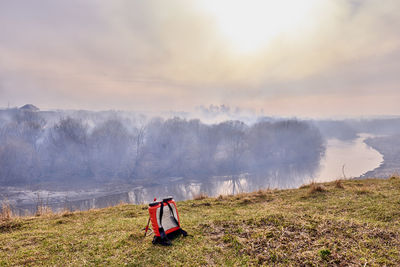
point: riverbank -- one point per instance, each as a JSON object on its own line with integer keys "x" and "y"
{"x": 389, "y": 147}
{"x": 352, "y": 222}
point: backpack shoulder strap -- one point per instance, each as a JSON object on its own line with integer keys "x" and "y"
{"x": 161, "y": 213}
{"x": 173, "y": 215}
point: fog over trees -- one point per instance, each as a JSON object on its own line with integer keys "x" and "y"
{"x": 99, "y": 147}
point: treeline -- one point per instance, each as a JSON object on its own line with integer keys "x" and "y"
{"x": 102, "y": 148}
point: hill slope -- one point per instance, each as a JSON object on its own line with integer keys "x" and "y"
{"x": 317, "y": 225}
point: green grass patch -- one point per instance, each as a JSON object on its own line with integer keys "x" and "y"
{"x": 354, "y": 223}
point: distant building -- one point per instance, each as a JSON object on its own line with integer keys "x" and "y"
{"x": 29, "y": 107}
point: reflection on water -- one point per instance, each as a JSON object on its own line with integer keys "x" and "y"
{"x": 346, "y": 159}
{"x": 357, "y": 157}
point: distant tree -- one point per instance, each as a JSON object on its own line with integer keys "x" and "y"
{"x": 232, "y": 146}
{"x": 25, "y": 125}
{"x": 109, "y": 150}
{"x": 18, "y": 162}
{"x": 165, "y": 147}
{"x": 173, "y": 147}
{"x": 68, "y": 150}
{"x": 139, "y": 138}
{"x": 209, "y": 138}
{"x": 284, "y": 144}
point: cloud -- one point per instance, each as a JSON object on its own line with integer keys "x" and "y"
{"x": 170, "y": 55}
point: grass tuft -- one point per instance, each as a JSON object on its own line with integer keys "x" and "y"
{"x": 222, "y": 197}
{"x": 10, "y": 225}
{"x": 339, "y": 184}
{"x": 305, "y": 186}
{"x": 200, "y": 196}
{"x": 6, "y": 211}
{"x": 363, "y": 191}
{"x": 324, "y": 254}
{"x": 316, "y": 188}
{"x": 43, "y": 211}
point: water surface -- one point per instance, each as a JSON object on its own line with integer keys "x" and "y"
{"x": 348, "y": 159}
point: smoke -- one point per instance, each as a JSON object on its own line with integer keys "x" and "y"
{"x": 147, "y": 55}
{"x": 69, "y": 147}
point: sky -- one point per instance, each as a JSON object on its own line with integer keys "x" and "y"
{"x": 303, "y": 58}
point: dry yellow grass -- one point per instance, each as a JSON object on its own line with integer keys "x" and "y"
{"x": 200, "y": 196}
{"x": 316, "y": 188}
{"x": 339, "y": 184}
{"x": 272, "y": 227}
{"x": 6, "y": 212}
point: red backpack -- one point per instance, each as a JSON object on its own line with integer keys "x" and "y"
{"x": 165, "y": 221}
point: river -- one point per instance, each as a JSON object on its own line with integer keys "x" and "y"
{"x": 348, "y": 159}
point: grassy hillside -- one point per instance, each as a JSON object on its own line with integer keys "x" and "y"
{"x": 348, "y": 222}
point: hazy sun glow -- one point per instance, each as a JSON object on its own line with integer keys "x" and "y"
{"x": 251, "y": 24}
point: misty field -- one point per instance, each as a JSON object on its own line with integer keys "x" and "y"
{"x": 353, "y": 222}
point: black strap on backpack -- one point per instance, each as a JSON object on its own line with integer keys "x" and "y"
{"x": 161, "y": 228}
{"x": 161, "y": 213}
